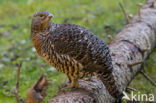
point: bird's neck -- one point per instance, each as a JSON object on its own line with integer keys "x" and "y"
{"x": 38, "y": 43}
{"x": 38, "y": 31}
{"x": 38, "y": 38}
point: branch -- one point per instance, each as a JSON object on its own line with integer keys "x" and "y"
{"x": 152, "y": 6}
{"x": 125, "y": 13}
{"x": 126, "y": 48}
{"x": 139, "y": 12}
{"x": 148, "y": 78}
{"x": 131, "y": 89}
{"x": 17, "y": 84}
{"x": 134, "y": 64}
{"x": 110, "y": 37}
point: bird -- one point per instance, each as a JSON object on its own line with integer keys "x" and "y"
{"x": 73, "y": 50}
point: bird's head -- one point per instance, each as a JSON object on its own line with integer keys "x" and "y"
{"x": 41, "y": 22}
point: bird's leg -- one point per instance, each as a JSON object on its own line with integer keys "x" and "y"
{"x": 69, "y": 78}
{"x": 76, "y": 83}
{"x": 73, "y": 84}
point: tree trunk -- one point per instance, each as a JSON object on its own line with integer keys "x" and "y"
{"x": 132, "y": 45}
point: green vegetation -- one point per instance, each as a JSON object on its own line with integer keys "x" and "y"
{"x": 102, "y": 17}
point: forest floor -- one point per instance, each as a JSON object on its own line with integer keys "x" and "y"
{"x": 102, "y": 17}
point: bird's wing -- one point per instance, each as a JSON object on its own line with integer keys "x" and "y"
{"x": 80, "y": 44}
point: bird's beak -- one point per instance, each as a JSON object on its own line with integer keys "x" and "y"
{"x": 50, "y": 15}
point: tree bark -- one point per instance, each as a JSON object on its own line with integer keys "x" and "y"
{"x": 132, "y": 45}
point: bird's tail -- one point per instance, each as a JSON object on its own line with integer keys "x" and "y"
{"x": 108, "y": 79}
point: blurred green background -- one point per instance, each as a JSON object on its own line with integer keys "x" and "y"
{"x": 102, "y": 17}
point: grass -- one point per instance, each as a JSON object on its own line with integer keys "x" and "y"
{"x": 102, "y": 17}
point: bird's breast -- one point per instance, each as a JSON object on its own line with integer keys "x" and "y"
{"x": 63, "y": 63}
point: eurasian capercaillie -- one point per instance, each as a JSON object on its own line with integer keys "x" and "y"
{"x": 73, "y": 50}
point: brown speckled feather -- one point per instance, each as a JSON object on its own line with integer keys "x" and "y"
{"x": 82, "y": 45}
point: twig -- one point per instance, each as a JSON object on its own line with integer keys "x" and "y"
{"x": 124, "y": 11}
{"x": 139, "y": 12}
{"x": 134, "y": 64}
{"x": 146, "y": 49}
{"x": 17, "y": 84}
{"x": 130, "y": 16}
{"x": 139, "y": 15}
{"x": 152, "y": 5}
{"x": 148, "y": 78}
{"x": 132, "y": 89}
{"x": 140, "y": 4}
{"x": 110, "y": 37}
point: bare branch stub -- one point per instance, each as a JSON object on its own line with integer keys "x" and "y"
{"x": 131, "y": 89}
{"x": 139, "y": 15}
{"x": 125, "y": 13}
{"x": 140, "y": 4}
{"x": 152, "y": 5}
{"x": 134, "y": 64}
{"x": 17, "y": 84}
{"x": 130, "y": 16}
{"x": 146, "y": 49}
{"x": 110, "y": 37}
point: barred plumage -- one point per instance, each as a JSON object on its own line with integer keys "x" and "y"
{"x": 73, "y": 50}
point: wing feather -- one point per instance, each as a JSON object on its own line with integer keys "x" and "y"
{"x": 80, "y": 44}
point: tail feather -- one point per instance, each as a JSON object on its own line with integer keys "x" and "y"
{"x": 108, "y": 80}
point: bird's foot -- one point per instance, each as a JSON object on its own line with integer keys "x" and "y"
{"x": 68, "y": 88}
